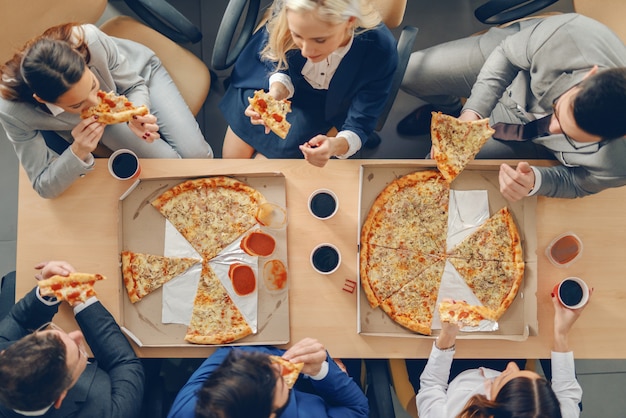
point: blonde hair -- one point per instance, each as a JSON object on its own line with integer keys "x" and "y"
{"x": 332, "y": 11}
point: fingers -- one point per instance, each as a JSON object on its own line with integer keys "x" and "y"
{"x": 52, "y": 268}
{"x": 317, "y": 150}
{"x": 145, "y": 127}
{"x": 308, "y": 350}
{"x": 515, "y": 184}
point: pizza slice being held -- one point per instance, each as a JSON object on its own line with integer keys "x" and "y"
{"x": 113, "y": 108}
{"x": 456, "y": 142}
{"x": 74, "y": 288}
{"x": 462, "y": 313}
{"x": 290, "y": 371}
{"x": 272, "y": 111}
{"x": 144, "y": 273}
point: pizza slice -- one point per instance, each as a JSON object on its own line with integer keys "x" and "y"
{"x": 462, "y": 313}
{"x": 144, "y": 273}
{"x": 496, "y": 239}
{"x": 272, "y": 111}
{"x": 414, "y": 304}
{"x": 456, "y": 142}
{"x": 210, "y": 212}
{"x": 74, "y": 288}
{"x": 495, "y": 283}
{"x": 215, "y": 318}
{"x": 113, "y": 108}
{"x": 290, "y": 371}
{"x": 383, "y": 271}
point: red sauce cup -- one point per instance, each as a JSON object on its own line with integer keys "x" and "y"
{"x": 564, "y": 249}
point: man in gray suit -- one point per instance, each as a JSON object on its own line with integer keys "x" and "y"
{"x": 46, "y": 373}
{"x": 568, "y": 69}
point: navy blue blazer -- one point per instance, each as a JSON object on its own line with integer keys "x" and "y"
{"x": 112, "y": 387}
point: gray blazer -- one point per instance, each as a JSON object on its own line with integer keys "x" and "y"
{"x": 49, "y": 172}
{"x": 553, "y": 55}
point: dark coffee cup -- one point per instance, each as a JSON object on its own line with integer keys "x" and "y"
{"x": 124, "y": 165}
{"x": 572, "y": 292}
{"x": 325, "y": 258}
{"x": 323, "y": 204}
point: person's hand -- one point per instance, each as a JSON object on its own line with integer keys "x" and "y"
{"x": 48, "y": 269}
{"x": 468, "y": 116}
{"x": 86, "y": 136}
{"x": 255, "y": 118}
{"x": 308, "y": 351}
{"x": 145, "y": 127}
{"x": 447, "y": 337}
{"x": 515, "y": 184}
{"x": 564, "y": 318}
{"x": 318, "y": 150}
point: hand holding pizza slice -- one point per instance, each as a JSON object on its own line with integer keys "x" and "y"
{"x": 273, "y": 112}
{"x": 113, "y": 108}
{"x": 289, "y": 371}
{"x": 73, "y": 288}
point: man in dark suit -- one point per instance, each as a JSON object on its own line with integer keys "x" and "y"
{"x": 45, "y": 371}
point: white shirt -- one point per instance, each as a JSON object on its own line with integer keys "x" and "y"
{"x": 319, "y": 75}
{"x": 438, "y": 400}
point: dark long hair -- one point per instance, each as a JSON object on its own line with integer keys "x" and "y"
{"x": 520, "y": 397}
{"x": 242, "y": 386}
{"x": 34, "y": 372}
{"x": 600, "y": 105}
{"x": 48, "y": 65}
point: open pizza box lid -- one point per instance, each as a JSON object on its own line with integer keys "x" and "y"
{"x": 520, "y": 320}
{"x": 142, "y": 229}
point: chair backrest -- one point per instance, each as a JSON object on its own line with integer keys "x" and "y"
{"x": 609, "y": 12}
{"x": 23, "y": 20}
{"x": 190, "y": 74}
{"x": 392, "y": 11}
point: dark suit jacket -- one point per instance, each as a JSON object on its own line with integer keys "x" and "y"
{"x": 110, "y": 387}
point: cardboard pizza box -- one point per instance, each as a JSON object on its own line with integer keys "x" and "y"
{"x": 520, "y": 320}
{"x": 141, "y": 228}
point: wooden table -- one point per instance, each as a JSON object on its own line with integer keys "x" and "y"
{"x": 81, "y": 227}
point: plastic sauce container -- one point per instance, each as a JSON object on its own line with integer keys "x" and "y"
{"x": 564, "y": 249}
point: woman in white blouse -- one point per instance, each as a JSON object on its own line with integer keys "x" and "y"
{"x": 511, "y": 393}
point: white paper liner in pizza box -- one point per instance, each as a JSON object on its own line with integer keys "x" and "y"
{"x": 520, "y": 319}
{"x": 180, "y": 290}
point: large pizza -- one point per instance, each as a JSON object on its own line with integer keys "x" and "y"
{"x": 211, "y": 214}
{"x": 403, "y": 253}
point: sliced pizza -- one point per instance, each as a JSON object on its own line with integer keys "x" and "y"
{"x": 215, "y": 319}
{"x": 74, "y": 288}
{"x": 210, "y": 213}
{"x": 289, "y": 371}
{"x": 496, "y": 239}
{"x": 462, "y": 313}
{"x": 113, "y": 108}
{"x": 414, "y": 304}
{"x": 384, "y": 271}
{"x": 456, "y": 142}
{"x": 495, "y": 283}
{"x": 272, "y": 111}
{"x": 144, "y": 273}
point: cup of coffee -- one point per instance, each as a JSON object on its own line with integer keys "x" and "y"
{"x": 323, "y": 204}
{"x": 564, "y": 249}
{"x": 124, "y": 164}
{"x": 325, "y": 258}
{"x": 573, "y": 292}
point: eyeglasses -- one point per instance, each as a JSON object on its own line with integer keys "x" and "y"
{"x": 567, "y": 137}
{"x": 51, "y": 326}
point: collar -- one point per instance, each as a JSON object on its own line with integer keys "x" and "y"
{"x": 34, "y": 413}
{"x": 54, "y": 109}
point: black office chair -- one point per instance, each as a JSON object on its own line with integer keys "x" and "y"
{"x": 164, "y": 18}
{"x": 497, "y": 12}
{"x": 247, "y": 11}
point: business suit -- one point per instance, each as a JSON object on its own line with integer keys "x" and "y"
{"x": 355, "y": 97}
{"x": 122, "y": 66}
{"x": 111, "y": 386}
{"x": 336, "y": 395}
{"x": 514, "y": 75}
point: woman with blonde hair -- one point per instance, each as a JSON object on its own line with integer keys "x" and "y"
{"x": 49, "y": 81}
{"x": 512, "y": 393}
{"x": 333, "y": 59}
